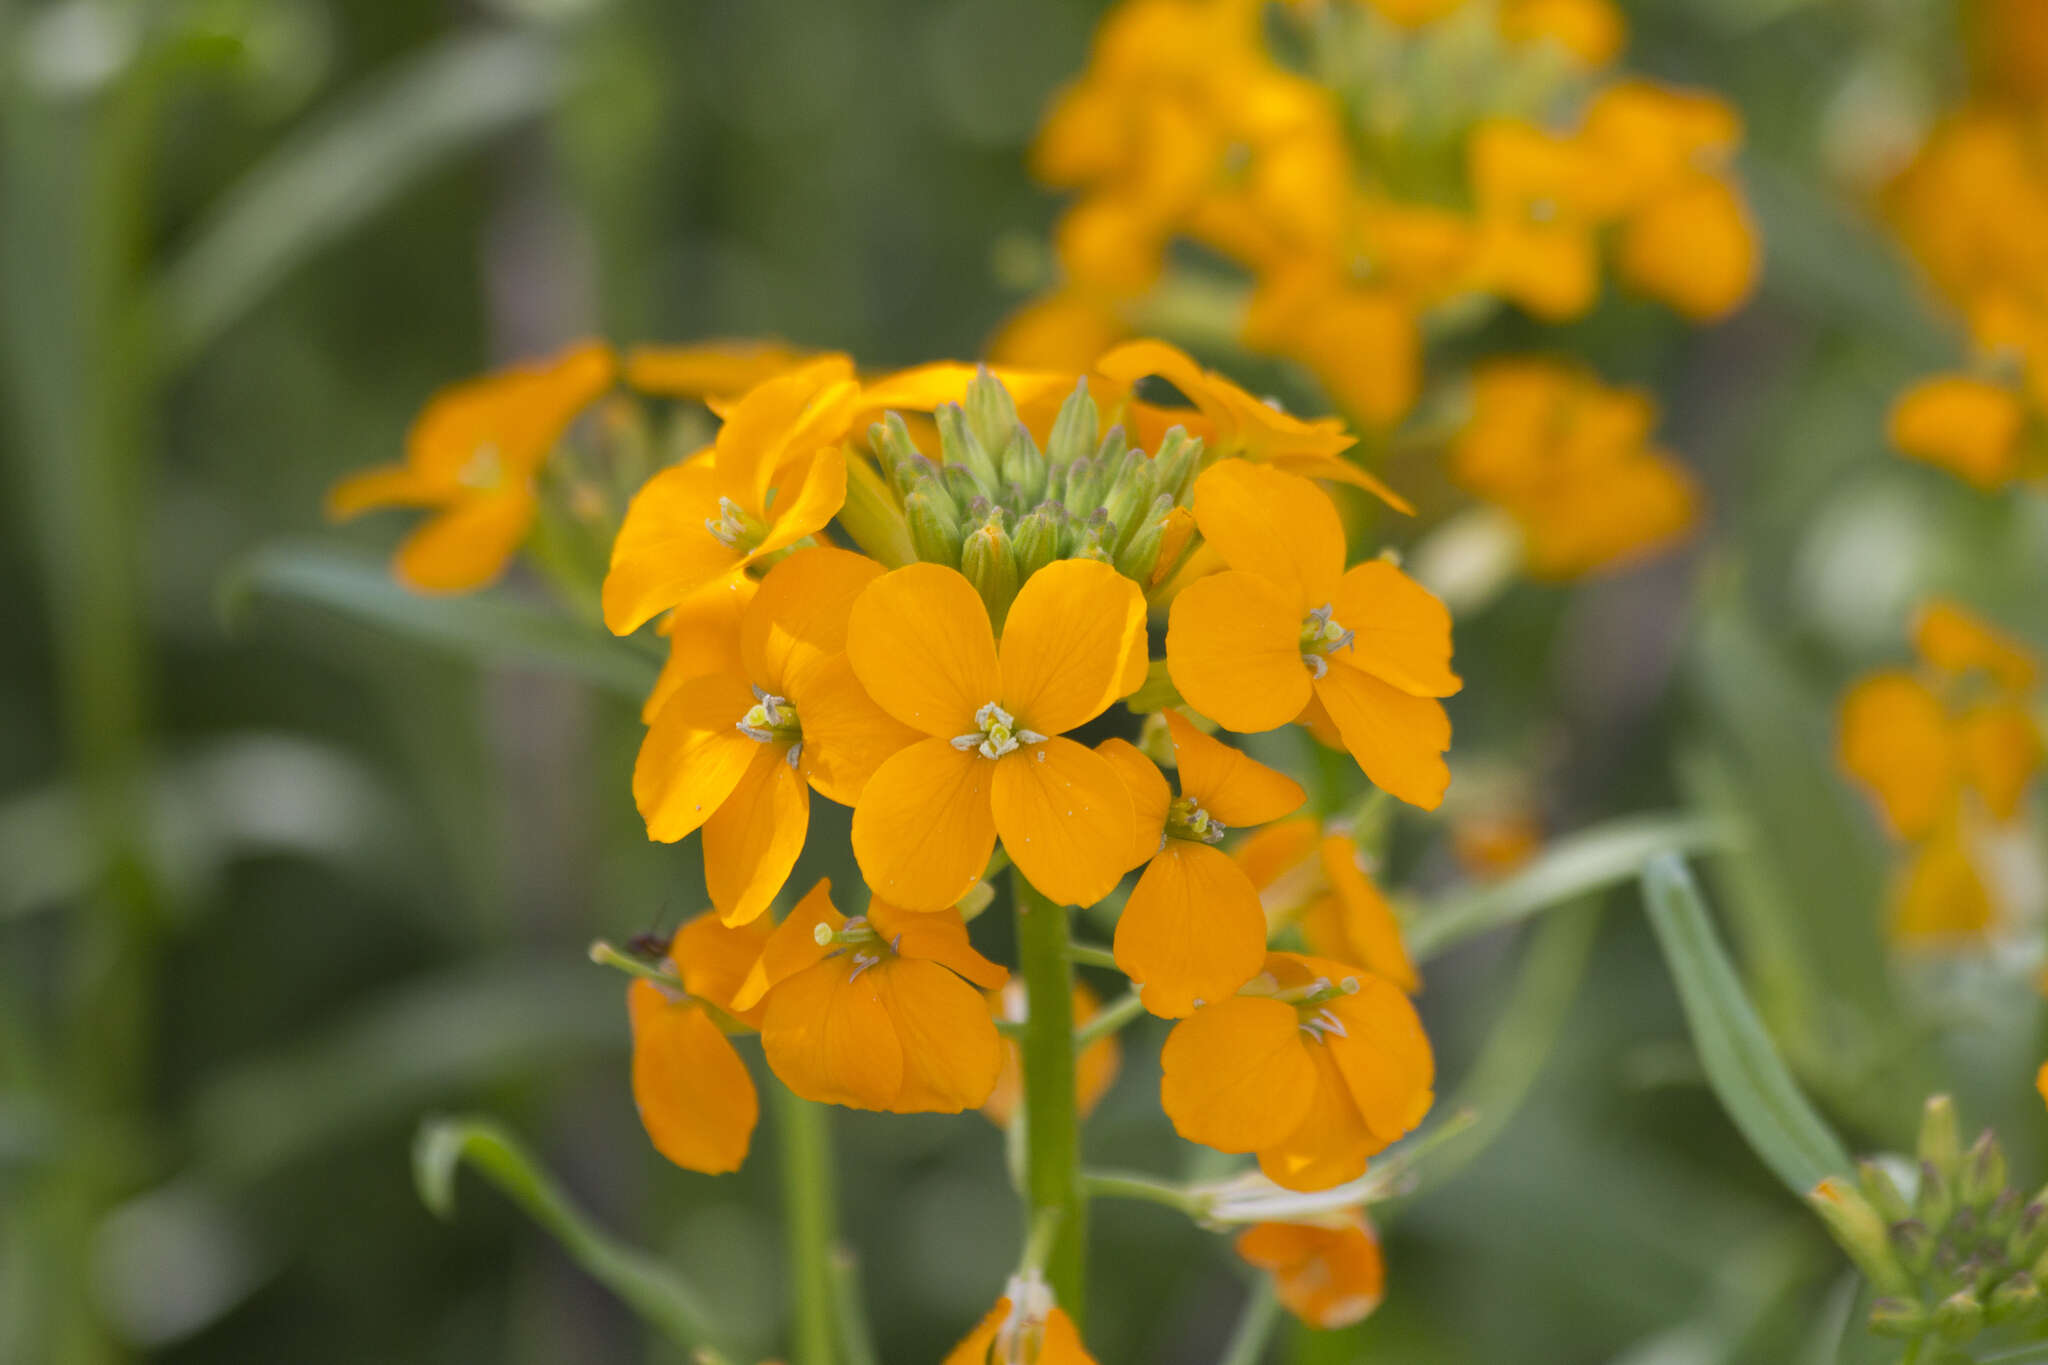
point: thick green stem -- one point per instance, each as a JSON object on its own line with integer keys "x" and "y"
{"x": 1052, "y": 1132}
{"x": 808, "y": 1204}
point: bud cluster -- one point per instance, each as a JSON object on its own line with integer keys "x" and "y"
{"x": 1964, "y": 1253}
{"x": 998, "y": 508}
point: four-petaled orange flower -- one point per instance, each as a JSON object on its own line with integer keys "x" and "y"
{"x": 994, "y": 761}
{"x": 1329, "y": 1274}
{"x": 877, "y": 1012}
{"x": 1024, "y": 1328}
{"x": 736, "y": 754}
{"x": 695, "y": 1097}
{"x": 473, "y": 455}
{"x": 1318, "y": 880}
{"x": 1094, "y": 1070}
{"x": 1192, "y": 929}
{"x": 1287, "y": 624}
{"x": 1314, "y": 1067}
{"x": 776, "y": 475}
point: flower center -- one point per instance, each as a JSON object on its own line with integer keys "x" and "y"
{"x": 734, "y": 528}
{"x": 1320, "y": 636}
{"x": 1313, "y": 1015}
{"x": 858, "y": 937}
{"x": 773, "y": 720}
{"x": 998, "y": 734}
{"x": 1185, "y": 819}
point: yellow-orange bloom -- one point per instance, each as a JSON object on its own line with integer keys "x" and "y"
{"x": 877, "y": 1012}
{"x": 1024, "y": 1328}
{"x": 472, "y": 456}
{"x": 1571, "y": 461}
{"x": 994, "y": 761}
{"x": 1192, "y": 929}
{"x": 1286, "y": 623}
{"x": 1328, "y": 1274}
{"x": 1094, "y": 1070}
{"x": 1323, "y": 1067}
{"x": 776, "y": 475}
{"x": 1540, "y": 199}
{"x": 1971, "y": 427}
{"x": 695, "y": 1097}
{"x": 737, "y": 753}
{"x": 716, "y": 371}
{"x": 1317, "y": 880}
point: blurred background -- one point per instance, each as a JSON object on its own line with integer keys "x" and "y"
{"x": 275, "y": 884}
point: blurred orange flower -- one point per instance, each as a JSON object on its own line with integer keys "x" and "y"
{"x": 1329, "y": 1274}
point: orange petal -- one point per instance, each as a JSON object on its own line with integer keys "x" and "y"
{"x": 791, "y": 946}
{"x": 1383, "y": 1054}
{"x": 781, "y": 421}
{"x": 812, "y": 497}
{"x": 715, "y": 958}
{"x": 2001, "y": 750}
{"x": 1328, "y": 1276}
{"x": 391, "y": 485}
{"x": 1150, "y": 796}
{"x": 1355, "y": 923}
{"x": 1955, "y": 641}
{"x": 951, "y": 1051}
{"x": 923, "y": 830}
{"x": 974, "y": 1347}
{"x": 1968, "y": 426}
{"x": 1062, "y": 1344}
{"x": 920, "y": 642}
{"x": 1192, "y": 930}
{"x": 1896, "y": 740}
{"x": 468, "y": 545}
{"x": 1695, "y": 248}
{"x": 1399, "y": 740}
{"x": 1065, "y": 819}
{"x": 752, "y": 841}
{"x": 830, "y": 1037}
{"x": 1233, "y": 649}
{"x": 703, "y": 637}
{"x": 1280, "y": 852}
{"x": 710, "y": 369}
{"x": 1227, "y": 782}
{"x": 1402, "y": 632}
{"x": 846, "y": 736}
{"x": 935, "y": 936}
{"x": 1331, "y": 1144}
{"x": 695, "y": 1097}
{"x": 800, "y": 612}
{"x": 664, "y": 551}
{"x": 1277, "y": 525}
{"x": 1235, "y": 1074}
{"x": 692, "y": 757}
{"x": 1940, "y": 895}
{"x": 1067, "y": 644}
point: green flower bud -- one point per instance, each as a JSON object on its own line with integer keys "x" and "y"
{"x": 1081, "y": 494}
{"x": 1983, "y": 1171}
{"x": 1960, "y": 1316}
{"x": 1179, "y": 457}
{"x": 1898, "y": 1317}
{"x": 1882, "y": 1192}
{"x": 1025, "y": 470}
{"x": 1939, "y": 1143}
{"x": 934, "y": 524}
{"x": 896, "y": 452}
{"x": 961, "y": 485}
{"x": 962, "y": 449}
{"x": 1914, "y": 1244}
{"x": 2017, "y": 1297}
{"x": 1128, "y": 495}
{"x": 1934, "y": 1201}
{"x": 1111, "y": 448}
{"x": 2028, "y": 1240}
{"x": 991, "y": 413}
{"x": 1140, "y": 552}
{"x": 1038, "y": 538}
{"x": 1073, "y": 431}
{"x": 2002, "y": 1217}
{"x": 1861, "y": 1233}
{"x": 1093, "y": 541}
{"x": 989, "y": 562}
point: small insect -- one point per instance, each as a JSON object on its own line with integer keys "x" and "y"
{"x": 651, "y": 943}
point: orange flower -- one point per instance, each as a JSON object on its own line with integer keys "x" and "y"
{"x": 1939, "y": 895}
{"x": 1287, "y": 624}
{"x": 1317, "y": 880}
{"x": 1955, "y": 642}
{"x": 1094, "y": 1070}
{"x": 1192, "y": 929}
{"x": 1361, "y": 341}
{"x": 873, "y": 1012}
{"x": 1970, "y": 427}
{"x": 1024, "y": 1328}
{"x": 1315, "y": 1068}
{"x": 695, "y": 1097}
{"x": 736, "y": 754}
{"x": 1570, "y": 460}
{"x": 473, "y": 455}
{"x": 715, "y": 370}
{"x": 994, "y": 761}
{"x": 776, "y": 475}
{"x": 1540, "y": 199}
{"x": 1330, "y": 1275}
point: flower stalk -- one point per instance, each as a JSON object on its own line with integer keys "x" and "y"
{"x": 1052, "y": 1135}
{"x": 808, "y": 1219}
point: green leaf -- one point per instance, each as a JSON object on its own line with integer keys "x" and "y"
{"x": 1569, "y": 868}
{"x": 491, "y": 627}
{"x": 1742, "y": 1064}
{"x": 343, "y": 170}
{"x": 653, "y": 1290}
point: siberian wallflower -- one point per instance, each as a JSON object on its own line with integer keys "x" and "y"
{"x": 736, "y": 753}
{"x": 695, "y": 1097}
{"x": 1192, "y": 928}
{"x": 473, "y": 456}
{"x": 994, "y": 760}
{"x": 1315, "y": 1067}
{"x": 1329, "y": 1274}
{"x": 880, "y": 1011}
{"x": 1286, "y": 624}
{"x": 1316, "y": 879}
{"x": 1024, "y": 1328}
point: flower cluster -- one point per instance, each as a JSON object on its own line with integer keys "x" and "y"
{"x": 1947, "y": 750}
{"x": 1411, "y": 165}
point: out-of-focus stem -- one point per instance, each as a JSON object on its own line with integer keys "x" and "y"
{"x": 1254, "y": 1326}
{"x": 1052, "y": 1125}
{"x": 808, "y": 1219}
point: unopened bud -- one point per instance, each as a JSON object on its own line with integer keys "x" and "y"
{"x": 2029, "y": 1236}
{"x": 1914, "y": 1245}
{"x": 991, "y": 413}
{"x": 1882, "y": 1192}
{"x": 1175, "y": 464}
{"x": 1934, "y": 1201}
{"x": 2003, "y": 1216}
{"x": 1140, "y": 553}
{"x": 1898, "y": 1317}
{"x": 1861, "y": 1233}
{"x": 962, "y": 449}
{"x": 1082, "y": 490}
{"x": 895, "y": 451}
{"x": 1073, "y": 431}
{"x": 1983, "y": 1172}
{"x": 1128, "y": 495}
{"x": 1939, "y": 1143}
{"x": 1036, "y": 541}
{"x": 1024, "y": 469}
{"x": 934, "y": 526}
{"x": 2018, "y": 1296}
{"x": 1960, "y": 1316}
{"x": 1093, "y": 540}
{"x": 991, "y": 566}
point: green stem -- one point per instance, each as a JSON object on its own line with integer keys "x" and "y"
{"x": 1144, "y": 1188}
{"x": 1052, "y": 1132}
{"x": 1255, "y": 1326}
{"x": 1109, "y": 1019}
{"x": 808, "y": 1202}
{"x": 1088, "y": 955}
{"x": 856, "y": 1336}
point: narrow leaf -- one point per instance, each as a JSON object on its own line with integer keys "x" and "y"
{"x": 1742, "y": 1064}
{"x": 647, "y": 1286}
{"x": 489, "y": 627}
